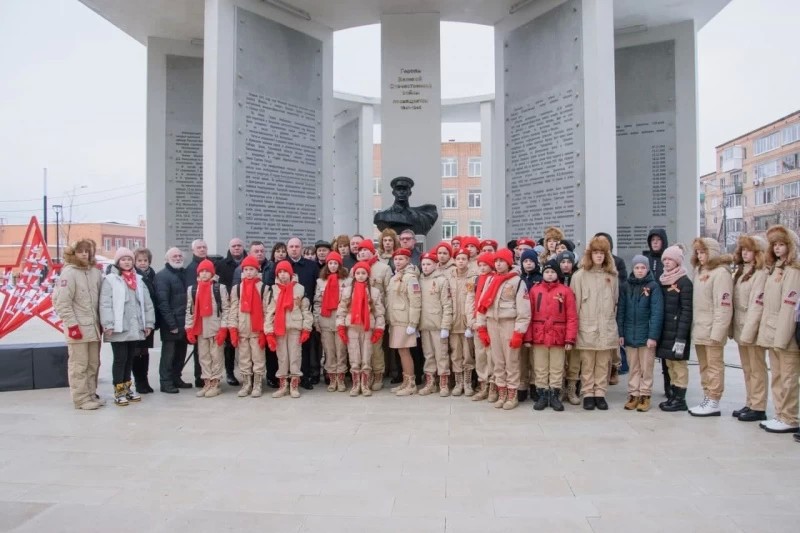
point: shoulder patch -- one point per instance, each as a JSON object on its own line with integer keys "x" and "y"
{"x": 760, "y": 299}
{"x": 791, "y": 298}
{"x": 725, "y": 299}
{"x": 63, "y": 283}
{"x": 415, "y": 286}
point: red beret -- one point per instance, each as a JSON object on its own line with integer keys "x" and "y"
{"x": 402, "y": 251}
{"x": 489, "y": 242}
{"x": 461, "y": 251}
{"x": 432, "y": 256}
{"x": 526, "y": 240}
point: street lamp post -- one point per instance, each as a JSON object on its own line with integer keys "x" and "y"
{"x": 57, "y": 208}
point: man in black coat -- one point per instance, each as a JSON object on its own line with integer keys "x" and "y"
{"x": 171, "y": 304}
{"x": 656, "y": 244}
{"x": 307, "y": 273}
{"x": 225, "y": 269}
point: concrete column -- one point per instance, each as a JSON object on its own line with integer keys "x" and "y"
{"x": 411, "y": 108}
{"x": 491, "y": 219}
{"x": 366, "y": 121}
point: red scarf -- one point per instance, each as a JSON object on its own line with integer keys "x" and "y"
{"x": 129, "y": 277}
{"x": 487, "y": 298}
{"x": 250, "y": 302}
{"x": 330, "y": 298}
{"x": 373, "y": 260}
{"x": 283, "y": 305}
{"x": 359, "y": 307}
{"x": 202, "y": 305}
{"x": 479, "y": 291}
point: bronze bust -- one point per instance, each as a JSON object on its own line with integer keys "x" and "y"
{"x": 400, "y": 216}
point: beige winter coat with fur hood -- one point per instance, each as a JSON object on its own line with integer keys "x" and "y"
{"x": 781, "y": 292}
{"x": 76, "y": 297}
{"x": 712, "y": 297}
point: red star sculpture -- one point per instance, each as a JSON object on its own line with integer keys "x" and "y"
{"x": 31, "y": 295}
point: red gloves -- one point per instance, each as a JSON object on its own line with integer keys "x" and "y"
{"x": 75, "y": 332}
{"x": 191, "y": 337}
{"x": 272, "y": 342}
{"x": 516, "y": 340}
{"x": 483, "y": 335}
{"x": 234, "y": 332}
{"x": 376, "y": 336}
{"x": 262, "y": 340}
{"x": 221, "y": 335}
{"x": 304, "y": 336}
{"x": 342, "y": 332}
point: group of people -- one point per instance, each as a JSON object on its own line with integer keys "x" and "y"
{"x": 468, "y": 317}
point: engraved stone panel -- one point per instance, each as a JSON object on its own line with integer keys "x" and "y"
{"x": 345, "y": 178}
{"x": 646, "y": 157}
{"x": 543, "y": 112}
{"x": 184, "y": 151}
{"x": 278, "y": 171}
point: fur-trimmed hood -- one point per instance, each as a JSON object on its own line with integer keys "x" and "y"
{"x": 755, "y": 243}
{"x": 555, "y": 233}
{"x": 712, "y": 248}
{"x": 599, "y": 243}
{"x": 71, "y": 259}
{"x": 779, "y": 233}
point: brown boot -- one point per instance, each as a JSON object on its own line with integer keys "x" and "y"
{"x": 444, "y": 386}
{"x": 430, "y": 385}
{"x": 483, "y": 392}
{"x": 467, "y": 379}
{"x": 493, "y": 394}
{"x": 356, "y": 389}
{"x": 613, "y": 379}
{"x": 502, "y": 396}
{"x": 366, "y": 388}
{"x": 258, "y": 384}
{"x": 572, "y": 392}
{"x": 458, "y": 388}
{"x": 247, "y": 386}
{"x": 283, "y": 388}
{"x": 213, "y": 389}
{"x": 202, "y": 392}
{"x": 511, "y": 400}
{"x": 340, "y": 384}
{"x": 644, "y": 404}
{"x": 377, "y": 381}
{"x": 632, "y": 402}
{"x": 294, "y": 387}
{"x": 410, "y": 387}
{"x": 332, "y": 381}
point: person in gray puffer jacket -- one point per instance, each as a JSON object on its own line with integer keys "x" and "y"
{"x": 127, "y": 317}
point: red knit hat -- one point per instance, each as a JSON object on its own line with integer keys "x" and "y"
{"x": 206, "y": 265}
{"x": 446, "y": 246}
{"x": 362, "y": 264}
{"x": 333, "y": 256}
{"x": 525, "y": 241}
{"x": 402, "y": 251}
{"x": 489, "y": 242}
{"x": 284, "y": 266}
{"x": 505, "y": 255}
{"x": 487, "y": 258}
{"x": 366, "y": 243}
{"x": 461, "y": 251}
{"x": 466, "y": 241}
{"x": 250, "y": 261}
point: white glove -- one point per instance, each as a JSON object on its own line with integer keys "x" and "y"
{"x": 444, "y": 333}
{"x": 678, "y": 347}
{"x": 468, "y": 334}
{"x": 410, "y": 330}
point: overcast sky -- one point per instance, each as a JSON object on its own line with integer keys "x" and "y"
{"x": 73, "y": 95}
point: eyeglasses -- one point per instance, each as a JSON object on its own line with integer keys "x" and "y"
{"x": 406, "y": 238}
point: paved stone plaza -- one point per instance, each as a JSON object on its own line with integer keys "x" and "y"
{"x": 328, "y": 463}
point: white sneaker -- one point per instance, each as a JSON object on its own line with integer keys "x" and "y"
{"x": 778, "y": 426}
{"x": 763, "y": 425}
{"x": 707, "y": 407}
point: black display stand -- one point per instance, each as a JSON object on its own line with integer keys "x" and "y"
{"x": 33, "y": 366}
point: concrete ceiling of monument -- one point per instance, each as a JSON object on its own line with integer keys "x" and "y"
{"x": 183, "y": 19}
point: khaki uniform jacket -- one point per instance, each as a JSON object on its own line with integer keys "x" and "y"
{"x": 448, "y": 269}
{"x": 380, "y": 274}
{"x": 218, "y": 318}
{"x": 377, "y": 312}
{"x": 744, "y": 328}
{"x": 404, "y": 298}
{"x": 712, "y": 306}
{"x": 76, "y": 299}
{"x": 469, "y": 301}
{"x": 437, "y": 304}
{"x": 512, "y": 301}
{"x": 596, "y": 295}
{"x": 299, "y": 318}
{"x": 239, "y": 320}
{"x": 777, "y": 325}
{"x": 323, "y": 323}
{"x": 459, "y": 289}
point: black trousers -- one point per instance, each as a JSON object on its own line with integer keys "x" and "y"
{"x": 124, "y": 352}
{"x": 305, "y": 363}
{"x": 272, "y": 365}
{"x": 230, "y": 357}
{"x": 173, "y": 353}
{"x": 316, "y": 353}
{"x": 141, "y": 364}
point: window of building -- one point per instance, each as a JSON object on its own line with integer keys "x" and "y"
{"x": 765, "y": 221}
{"x": 734, "y": 225}
{"x": 791, "y": 190}
{"x": 767, "y": 143}
{"x": 449, "y": 167}
{"x": 129, "y": 243}
{"x": 449, "y": 199}
{"x": 118, "y": 242}
{"x": 737, "y": 177}
{"x": 474, "y": 198}
{"x": 137, "y": 243}
{"x": 376, "y": 186}
{"x": 449, "y": 229}
{"x": 106, "y": 243}
{"x": 791, "y": 133}
{"x": 789, "y": 162}
{"x": 476, "y": 228}
{"x": 735, "y": 200}
{"x": 474, "y": 167}
{"x": 714, "y": 203}
{"x": 767, "y": 195}
{"x": 767, "y": 170}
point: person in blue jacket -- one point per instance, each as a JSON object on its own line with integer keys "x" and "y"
{"x": 640, "y": 313}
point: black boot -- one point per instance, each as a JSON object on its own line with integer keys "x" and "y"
{"x": 668, "y": 388}
{"x": 534, "y": 393}
{"x": 752, "y": 416}
{"x": 670, "y": 395}
{"x": 555, "y": 400}
{"x": 139, "y": 368}
{"x": 737, "y": 413}
{"x": 230, "y": 362}
{"x": 169, "y": 387}
{"x": 601, "y": 403}
{"x": 543, "y": 399}
{"x": 522, "y": 395}
{"x": 588, "y": 403}
{"x": 677, "y": 403}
